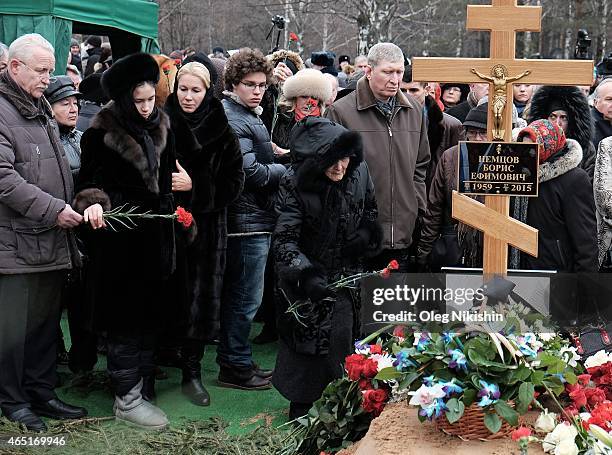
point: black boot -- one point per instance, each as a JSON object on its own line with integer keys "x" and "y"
{"x": 191, "y": 386}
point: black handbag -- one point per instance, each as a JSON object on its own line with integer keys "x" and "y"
{"x": 593, "y": 338}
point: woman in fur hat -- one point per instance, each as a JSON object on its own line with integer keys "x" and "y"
{"x": 208, "y": 150}
{"x": 327, "y": 224}
{"x": 569, "y": 108}
{"x": 564, "y": 211}
{"x": 128, "y": 158}
{"x": 304, "y": 95}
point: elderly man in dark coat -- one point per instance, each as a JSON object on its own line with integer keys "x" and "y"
{"x": 37, "y": 244}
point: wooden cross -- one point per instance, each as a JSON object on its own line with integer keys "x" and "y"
{"x": 503, "y": 18}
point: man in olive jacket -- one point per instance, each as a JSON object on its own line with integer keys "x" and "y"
{"x": 36, "y": 244}
{"x": 395, "y": 144}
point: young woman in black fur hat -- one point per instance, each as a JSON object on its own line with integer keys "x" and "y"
{"x": 327, "y": 225}
{"x": 209, "y": 151}
{"x": 128, "y": 158}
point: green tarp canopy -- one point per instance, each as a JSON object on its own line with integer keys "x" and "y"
{"x": 131, "y": 25}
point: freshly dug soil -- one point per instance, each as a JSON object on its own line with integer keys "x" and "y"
{"x": 397, "y": 431}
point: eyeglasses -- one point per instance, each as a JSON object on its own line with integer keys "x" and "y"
{"x": 251, "y": 86}
{"x": 44, "y": 73}
{"x": 476, "y": 134}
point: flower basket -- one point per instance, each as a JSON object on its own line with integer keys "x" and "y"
{"x": 471, "y": 426}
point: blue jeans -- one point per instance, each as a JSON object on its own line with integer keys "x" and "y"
{"x": 243, "y": 285}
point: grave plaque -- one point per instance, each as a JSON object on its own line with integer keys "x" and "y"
{"x": 498, "y": 168}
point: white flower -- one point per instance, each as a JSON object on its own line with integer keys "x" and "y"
{"x": 546, "y": 422}
{"x": 383, "y": 360}
{"x": 566, "y": 447}
{"x": 417, "y": 337}
{"x": 362, "y": 349}
{"x": 597, "y": 359}
{"x": 546, "y": 336}
{"x": 585, "y": 416}
{"x": 561, "y": 432}
{"x": 569, "y": 355}
{"x": 425, "y": 396}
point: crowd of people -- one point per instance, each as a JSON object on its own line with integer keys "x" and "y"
{"x": 297, "y": 173}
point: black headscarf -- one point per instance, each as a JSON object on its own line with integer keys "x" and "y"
{"x": 137, "y": 126}
{"x": 193, "y": 119}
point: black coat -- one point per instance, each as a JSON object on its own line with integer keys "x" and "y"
{"x": 324, "y": 230}
{"x": 564, "y": 214}
{"x": 319, "y": 228}
{"x": 211, "y": 155}
{"x": 602, "y": 127}
{"x": 253, "y": 211}
{"x": 127, "y": 270}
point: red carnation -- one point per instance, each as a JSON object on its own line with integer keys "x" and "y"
{"x": 166, "y": 68}
{"x": 522, "y": 432}
{"x": 577, "y": 395}
{"x": 594, "y": 396}
{"x": 293, "y": 37}
{"x": 375, "y": 349}
{"x": 584, "y": 379}
{"x": 386, "y": 272}
{"x": 184, "y": 217}
{"x": 393, "y": 265}
{"x": 398, "y": 331}
{"x": 177, "y": 61}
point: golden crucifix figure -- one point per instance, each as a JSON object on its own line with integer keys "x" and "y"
{"x": 499, "y": 78}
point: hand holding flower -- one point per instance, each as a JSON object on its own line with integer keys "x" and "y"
{"x": 94, "y": 216}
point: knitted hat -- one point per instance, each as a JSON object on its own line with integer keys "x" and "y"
{"x": 94, "y": 40}
{"x": 73, "y": 42}
{"x": 547, "y": 133}
{"x": 477, "y": 117}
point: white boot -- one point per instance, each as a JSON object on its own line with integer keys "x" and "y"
{"x": 131, "y": 408}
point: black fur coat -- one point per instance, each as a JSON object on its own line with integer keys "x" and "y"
{"x": 580, "y": 127}
{"x": 126, "y": 270}
{"x": 210, "y": 153}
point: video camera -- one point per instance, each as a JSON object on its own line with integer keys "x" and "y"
{"x": 583, "y": 45}
{"x": 604, "y": 68}
{"x": 279, "y": 22}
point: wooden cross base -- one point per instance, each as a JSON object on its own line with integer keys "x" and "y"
{"x": 499, "y": 230}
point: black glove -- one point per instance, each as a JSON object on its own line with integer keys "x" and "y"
{"x": 357, "y": 243}
{"x": 315, "y": 287}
